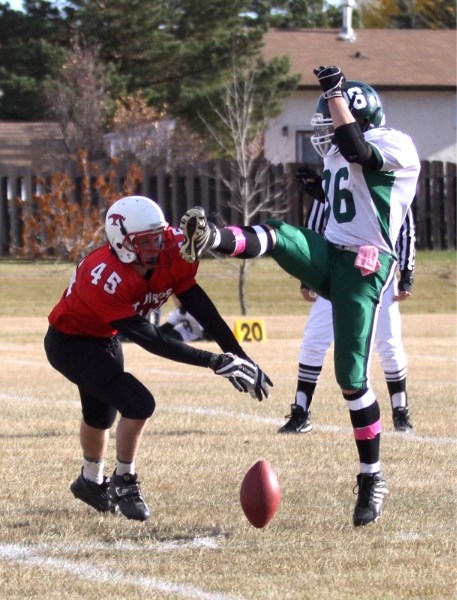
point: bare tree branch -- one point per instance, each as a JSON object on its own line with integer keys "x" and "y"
{"x": 241, "y": 137}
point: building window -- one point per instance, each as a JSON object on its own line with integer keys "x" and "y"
{"x": 304, "y": 151}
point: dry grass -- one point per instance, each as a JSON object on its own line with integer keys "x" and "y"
{"x": 198, "y": 446}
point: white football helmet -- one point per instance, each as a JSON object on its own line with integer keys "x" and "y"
{"x": 135, "y": 227}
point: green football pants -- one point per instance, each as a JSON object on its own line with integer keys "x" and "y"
{"x": 355, "y": 298}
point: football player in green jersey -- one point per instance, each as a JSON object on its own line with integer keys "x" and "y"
{"x": 369, "y": 181}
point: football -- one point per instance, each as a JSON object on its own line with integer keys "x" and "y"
{"x": 260, "y": 494}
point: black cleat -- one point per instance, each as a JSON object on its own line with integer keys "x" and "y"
{"x": 198, "y": 234}
{"x": 400, "y": 417}
{"x": 299, "y": 420}
{"x": 125, "y": 491}
{"x": 94, "y": 494}
{"x": 371, "y": 491}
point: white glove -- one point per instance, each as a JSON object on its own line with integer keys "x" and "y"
{"x": 240, "y": 372}
{"x": 260, "y": 390}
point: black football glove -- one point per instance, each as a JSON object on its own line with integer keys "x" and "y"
{"x": 310, "y": 182}
{"x": 240, "y": 372}
{"x": 405, "y": 283}
{"x": 331, "y": 80}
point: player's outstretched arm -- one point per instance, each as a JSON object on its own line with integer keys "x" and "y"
{"x": 242, "y": 373}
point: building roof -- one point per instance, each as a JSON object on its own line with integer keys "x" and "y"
{"x": 20, "y": 141}
{"x": 385, "y": 58}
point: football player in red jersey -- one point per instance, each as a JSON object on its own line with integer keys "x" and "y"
{"x": 113, "y": 290}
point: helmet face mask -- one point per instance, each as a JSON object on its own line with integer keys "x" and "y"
{"x": 136, "y": 230}
{"x": 322, "y": 139}
{"x": 364, "y": 104}
{"x": 147, "y": 245}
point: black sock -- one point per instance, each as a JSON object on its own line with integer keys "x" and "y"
{"x": 306, "y": 384}
{"x": 397, "y": 391}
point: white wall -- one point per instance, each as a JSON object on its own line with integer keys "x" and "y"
{"x": 297, "y": 113}
{"x": 428, "y": 117}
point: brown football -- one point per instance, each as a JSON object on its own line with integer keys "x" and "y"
{"x": 260, "y": 494}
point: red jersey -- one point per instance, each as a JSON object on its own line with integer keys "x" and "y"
{"x": 103, "y": 290}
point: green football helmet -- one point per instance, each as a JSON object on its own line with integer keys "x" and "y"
{"x": 365, "y": 106}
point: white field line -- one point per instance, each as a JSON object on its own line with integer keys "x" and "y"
{"x": 216, "y": 412}
{"x": 30, "y": 556}
{"x": 205, "y": 543}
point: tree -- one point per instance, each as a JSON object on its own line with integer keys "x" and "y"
{"x": 62, "y": 225}
{"x": 410, "y": 14}
{"x": 172, "y": 51}
{"x": 32, "y": 46}
{"x": 437, "y": 14}
{"x": 128, "y": 36}
{"x": 175, "y": 55}
{"x": 78, "y": 101}
{"x": 141, "y": 133}
{"x": 252, "y": 97}
{"x": 293, "y": 14}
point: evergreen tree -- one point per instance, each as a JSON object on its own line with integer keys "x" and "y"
{"x": 172, "y": 51}
{"x": 31, "y": 48}
{"x": 176, "y": 53}
{"x": 294, "y": 14}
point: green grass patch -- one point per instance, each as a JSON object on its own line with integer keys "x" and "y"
{"x": 33, "y": 288}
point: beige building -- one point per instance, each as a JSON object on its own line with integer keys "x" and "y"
{"x": 414, "y": 71}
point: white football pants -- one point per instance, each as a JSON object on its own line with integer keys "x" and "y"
{"x": 318, "y": 334}
{"x": 185, "y": 324}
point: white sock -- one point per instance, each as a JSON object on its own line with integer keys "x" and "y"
{"x": 302, "y": 400}
{"x": 123, "y": 468}
{"x": 93, "y": 470}
{"x": 399, "y": 400}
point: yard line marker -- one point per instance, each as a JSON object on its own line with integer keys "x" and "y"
{"x": 28, "y": 555}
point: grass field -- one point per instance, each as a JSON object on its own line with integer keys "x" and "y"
{"x": 34, "y": 288}
{"x": 201, "y": 441}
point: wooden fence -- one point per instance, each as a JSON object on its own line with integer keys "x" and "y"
{"x": 434, "y": 207}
